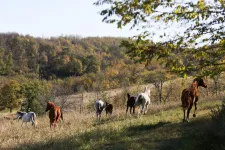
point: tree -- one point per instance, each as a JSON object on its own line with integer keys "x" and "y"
{"x": 158, "y": 78}
{"x": 10, "y": 95}
{"x": 92, "y": 64}
{"x": 201, "y": 25}
{"x": 31, "y": 91}
{"x": 6, "y": 63}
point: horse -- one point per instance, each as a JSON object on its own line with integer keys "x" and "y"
{"x": 26, "y": 117}
{"x": 108, "y": 108}
{"x": 130, "y": 103}
{"x": 190, "y": 96}
{"x": 143, "y": 100}
{"x": 54, "y": 113}
{"x": 99, "y": 106}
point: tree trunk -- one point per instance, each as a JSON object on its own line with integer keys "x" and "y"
{"x": 10, "y": 109}
{"x": 160, "y": 92}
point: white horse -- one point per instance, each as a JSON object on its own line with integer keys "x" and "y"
{"x": 99, "y": 106}
{"x": 26, "y": 117}
{"x": 143, "y": 100}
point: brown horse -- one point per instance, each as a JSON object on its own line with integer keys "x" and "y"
{"x": 130, "y": 103}
{"x": 190, "y": 96}
{"x": 54, "y": 113}
{"x": 108, "y": 108}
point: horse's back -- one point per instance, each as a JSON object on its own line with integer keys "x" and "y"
{"x": 28, "y": 116}
{"x": 142, "y": 98}
{"x": 109, "y": 107}
{"x": 98, "y": 105}
{"x": 131, "y": 101}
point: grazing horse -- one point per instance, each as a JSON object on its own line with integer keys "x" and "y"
{"x": 54, "y": 113}
{"x": 108, "y": 108}
{"x": 190, "y": 96}
{"x": 131, "y": 103}
{"x": 99, "y": 106}
{"x": 26, "y": 117}
{"x": 143, "y": 100}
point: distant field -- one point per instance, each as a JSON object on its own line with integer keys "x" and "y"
{"x": 161, "y": 128}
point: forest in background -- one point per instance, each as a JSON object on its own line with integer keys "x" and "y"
{"x": 39, "y": 69}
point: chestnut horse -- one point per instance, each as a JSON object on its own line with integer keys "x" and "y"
{"x": 54, "y": 113}
{"x": 130, "y": 103}
{"x": 190, "y": 96}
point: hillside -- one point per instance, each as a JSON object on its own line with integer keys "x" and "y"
{"x": 161, "y": 128}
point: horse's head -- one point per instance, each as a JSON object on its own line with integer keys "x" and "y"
{"x": 19, "y": 114}
{"x": 49, "y": 106}
{"x": 200, "y": 82}
{"x": 105, "y": 105}
{"x": 147, "y": 90}
{"x": 128, "y": 95}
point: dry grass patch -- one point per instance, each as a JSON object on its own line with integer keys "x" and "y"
{"x": 160, "y": 126}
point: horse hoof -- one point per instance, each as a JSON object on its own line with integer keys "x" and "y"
{"x": 185, "y": 120}
{"x": 194, "y": 115}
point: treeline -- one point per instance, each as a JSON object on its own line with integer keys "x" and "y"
{"x": 58, "y": 57}
{"x": 34, "y": 70}
{"x": 62, "y": 57}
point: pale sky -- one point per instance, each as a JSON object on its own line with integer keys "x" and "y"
{"x": 46, "y": 18}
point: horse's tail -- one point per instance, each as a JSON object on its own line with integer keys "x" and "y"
{"x": 34, "y": 118}
{"x": 185, "y": 99}
{"x": 61, "y": 115}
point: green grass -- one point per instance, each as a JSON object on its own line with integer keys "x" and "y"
{"x": 159, "y": 129}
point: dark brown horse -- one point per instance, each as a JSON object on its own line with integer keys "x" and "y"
{"x": 54, "y": 113}
{"x": 108, "y": 108}
{"x": 130, "y": 103}
{"x": 190, "y": 96}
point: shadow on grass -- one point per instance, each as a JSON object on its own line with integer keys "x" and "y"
{"x": 146, "y": 127}
{"x": 109, "y": 119}
{"x": 161, "y": 136}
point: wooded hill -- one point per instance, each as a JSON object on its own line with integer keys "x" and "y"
{"x": 39, "y": 69}
{"x": 61, "y": 57}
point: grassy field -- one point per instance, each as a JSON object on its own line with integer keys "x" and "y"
{"x": 161, "y": 128}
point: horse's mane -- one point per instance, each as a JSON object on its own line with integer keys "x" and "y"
{"x": 51, "y": 104}
{"x": 21, "y": 113}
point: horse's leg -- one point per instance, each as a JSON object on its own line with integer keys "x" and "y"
{"x": 127, "y": 110}
{"x": 133, "y": 109}
{"x": 188, "y": 111}
{"x": 32, "y": 120}
{"x": 99, "y": 116}
{"x": 139, "y": 110}
{"x": 195, "y": 102}
{"x": 184, "y": 115}
{"x": 130, "y": 110}
{"x": 143, "y": 109}
{"x": 22, "y": 124}
{"x": 146, "y": 109}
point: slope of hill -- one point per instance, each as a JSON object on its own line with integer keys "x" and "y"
{"x": 161, "y": 128}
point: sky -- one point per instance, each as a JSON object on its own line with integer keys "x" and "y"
{"x": 48, "y": 18}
